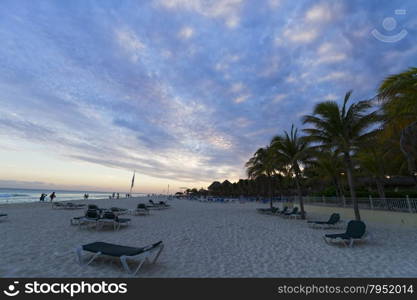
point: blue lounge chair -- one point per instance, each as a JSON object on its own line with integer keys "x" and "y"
{"x": 153, "y": 205}
{"x": 90, "y": 218}
{"x": 164, "y": 204}
{"x": 95, "y": 207}
{"x": 122, "y": 252}
{"x": 355, "y": 231}
{"x": 288, "y": 214}
{"x": 282, "y": 212}
{"x": 333, "y": 222}
{"x": 118, "y": 211}
{"x": 141, "y": 210}
{"x": 109, "y": 218}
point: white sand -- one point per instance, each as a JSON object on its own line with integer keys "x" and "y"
{"x": 201, "y": 240}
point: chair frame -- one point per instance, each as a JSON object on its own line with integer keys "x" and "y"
{"x": 339, "y": 225}
{"x": 145, "y": 257}
{"x": 139, "y": 212}
{"x": 348, "y": 243}
{"x": 116, "y": 224}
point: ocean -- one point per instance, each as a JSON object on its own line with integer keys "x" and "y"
{"x": 9, "y": 195}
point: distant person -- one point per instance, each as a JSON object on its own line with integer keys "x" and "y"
{"x": 85, "y": 196}
{"x": 42, "y": 198}
{"x": 113, "y": 196}
{"x": 118, "y": 196}
{"x": 52, "y": 196}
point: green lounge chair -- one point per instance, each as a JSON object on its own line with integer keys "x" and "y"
{"x": 122, "y": 252}
{"x": 355, "y": 231}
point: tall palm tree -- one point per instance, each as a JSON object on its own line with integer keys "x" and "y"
{"x": 398, "y": 94}
{"x": 344, "y": 129}
{"x": 262, "y": 163}
{"x": 293, "y": 151}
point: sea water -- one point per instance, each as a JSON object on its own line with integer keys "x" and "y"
{"x": 10, "y": 195}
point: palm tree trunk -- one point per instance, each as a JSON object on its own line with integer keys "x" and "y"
{"x": 270, "y": 191}
{"x": 408, "y": 148}
{"x": 334, "y": 179}
{"x": 339, "y": 193}
{"x": 380, "y": 187}
{"x": 349, "y": 173}
{"x": 300, "y": 196}
{"x": 340, "y": 187}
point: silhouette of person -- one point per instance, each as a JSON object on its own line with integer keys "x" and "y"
{"x": 52, "y": 196}
{"x": 117, "y": 195}
{"x": 42, "y": 198}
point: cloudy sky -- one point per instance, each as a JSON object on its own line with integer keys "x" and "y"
{"x": 182, "y": 91}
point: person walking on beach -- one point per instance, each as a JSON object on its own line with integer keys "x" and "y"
{"x": 118, "y": 196}
{"x": 85, "y": 196}
{"x": 113, "y": 196}
{"x": 52, "y": 196}
{"x": 42, "y": 198}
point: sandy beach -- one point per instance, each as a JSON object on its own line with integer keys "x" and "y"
{"x": 201, "y": 240}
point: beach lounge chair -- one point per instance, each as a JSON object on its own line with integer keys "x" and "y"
{"x": 355, "y": 231}
{"x": 268, "y": 211}
{"x": 141, "y": 209}
{"x": 118, "y": 211}
{"x": 109, "y": 218}
{"x": 122, "y": 252}
{"x": 91, "y": 218}
{"x": 95, "y": 207}
{"x": 164, "y": 204}
{"x": 288, "y": 214}
{"x": 283, "y": 211}
{"x": 153, "y": 205}
{"x": 333, "y": 222}
{"x": 296, "y": 215}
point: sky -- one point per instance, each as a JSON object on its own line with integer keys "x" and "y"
{"x": 182, "y": 91}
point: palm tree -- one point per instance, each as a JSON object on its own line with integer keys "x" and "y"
{"x": 328, "y": 165}
{"x": 293, "y": 152}
{"x": 373, "y": 161}
{"x": 262, "y": 163}
{"x": 398, "y": 94}
{"x": 343, "y": 129}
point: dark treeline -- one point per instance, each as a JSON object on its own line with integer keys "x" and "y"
{"x": 347, "y": 148}
{"x": 262, "y": 187}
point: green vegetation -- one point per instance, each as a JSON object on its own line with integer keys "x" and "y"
{"x": 360, "y": 149}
